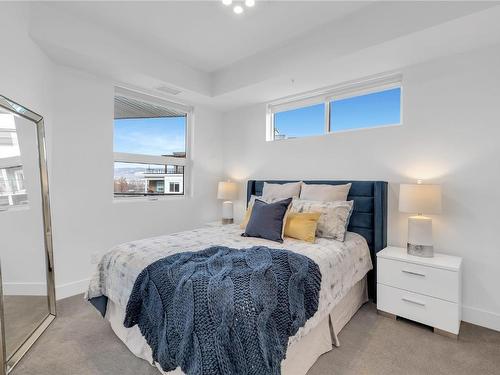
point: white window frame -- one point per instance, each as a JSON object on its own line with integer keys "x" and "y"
{"x": 327, "y": 95}
{"x": 125, "y": 157}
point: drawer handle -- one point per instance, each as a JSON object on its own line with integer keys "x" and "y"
{"x": 413, "y": 273}
{"x": 412, "y": 301}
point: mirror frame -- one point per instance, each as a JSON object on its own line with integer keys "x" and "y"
{"x": 7, "y": 364}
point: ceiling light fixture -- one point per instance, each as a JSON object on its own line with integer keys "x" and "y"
{"x": 239, "y": 6}
{"x": 238, "y": 9}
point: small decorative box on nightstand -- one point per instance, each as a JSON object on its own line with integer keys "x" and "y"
{"x": 426, "y": 290}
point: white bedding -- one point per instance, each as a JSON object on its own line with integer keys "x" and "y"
{"x": 342, "y": 264}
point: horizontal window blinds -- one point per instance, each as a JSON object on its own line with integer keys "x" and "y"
{"x": 328, "y": 94}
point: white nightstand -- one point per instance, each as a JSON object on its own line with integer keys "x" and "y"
{"x": 426, "y": 290}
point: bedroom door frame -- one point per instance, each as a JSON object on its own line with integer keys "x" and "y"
{"x": 7, "y": 364}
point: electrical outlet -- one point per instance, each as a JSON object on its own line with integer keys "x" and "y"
{"x": 94, "y": 258}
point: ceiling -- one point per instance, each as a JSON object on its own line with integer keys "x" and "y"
{"x": 200, "y": 52}
{"x": 207, "y": 35}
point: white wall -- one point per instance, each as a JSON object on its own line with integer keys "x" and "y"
{"x": 78, "y": 111}
{"x": 87, "y": 220}
{"x": 450, "y": 136}
{"x": 25, "y": 76}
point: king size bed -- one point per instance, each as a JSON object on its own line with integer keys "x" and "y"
{"x": 347, "y": 272}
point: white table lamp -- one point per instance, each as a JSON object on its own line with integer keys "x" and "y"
{"x": 227, "y": 191}
{"x": 420, "y": 199}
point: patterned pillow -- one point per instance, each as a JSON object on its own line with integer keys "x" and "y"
{"x": 334, "y": 217}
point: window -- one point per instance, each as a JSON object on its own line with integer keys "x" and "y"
{"x": 300, "y": 122}
{"x": 367, "y": 104}
{"x": 366, "y": 111}
{"x": 6, "y": 137}
{"x": 12, "y": 187}
{"x": 9, "y": 144}
{"x": 174, "y": 187}
{"x": 150, "y": 138}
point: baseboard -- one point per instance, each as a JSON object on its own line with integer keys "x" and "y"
{"x": 40, "y": 289}
{"x": 24, "y": 289}
{"x": 481, "y": 317}
{"x": 71, "y": 289}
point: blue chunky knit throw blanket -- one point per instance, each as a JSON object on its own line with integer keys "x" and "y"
{"x": 224, "y": 311}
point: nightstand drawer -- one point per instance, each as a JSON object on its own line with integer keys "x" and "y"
{"x": 434, "y": 282}
{"x": 427, "y": 310}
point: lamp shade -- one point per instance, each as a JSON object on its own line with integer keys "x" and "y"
{"x": 227, "y": 190}
{"x": 420, "y": 199}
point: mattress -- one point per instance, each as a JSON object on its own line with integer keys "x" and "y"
{"x": 342, "y": 264}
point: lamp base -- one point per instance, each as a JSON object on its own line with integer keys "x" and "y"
{"x": 227, "y": 212}
{"x": 420, "y": 241}
{"x": 424, "y": 251}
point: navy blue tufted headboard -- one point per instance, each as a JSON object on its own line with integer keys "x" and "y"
{"x": 369, "y": 217}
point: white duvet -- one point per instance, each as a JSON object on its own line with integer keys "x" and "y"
{"x": 342, "y": 264}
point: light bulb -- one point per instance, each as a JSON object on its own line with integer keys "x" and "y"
{"x": 238, "y": 9}
{"x": 249, "y": 3}
{"x": 227, "y": 2}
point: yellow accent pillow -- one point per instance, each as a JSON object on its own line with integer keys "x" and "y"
{"x": 248, "y": 213}
{"x": 302, "y": 225}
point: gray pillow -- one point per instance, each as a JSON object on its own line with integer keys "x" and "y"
{"x": 280, "y": 191}
{"x": 267, "y": 219}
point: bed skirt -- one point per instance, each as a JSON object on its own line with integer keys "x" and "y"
{"x": 301, "y": 355}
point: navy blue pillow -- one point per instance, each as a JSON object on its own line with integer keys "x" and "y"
{"x": 266, "y": 220}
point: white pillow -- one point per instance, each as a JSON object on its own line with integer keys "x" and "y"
{"x": 334, "y": 217}
{"x": 254, "y": 197}
{"x": 280, "y": 191}
{"x": 324, "y": 193}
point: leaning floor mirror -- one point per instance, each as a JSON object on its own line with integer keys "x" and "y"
{"x": 27, "y": 293}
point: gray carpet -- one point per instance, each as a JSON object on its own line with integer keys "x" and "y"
{"x": 22, "y": 314}
{"x": 79, "y": 342}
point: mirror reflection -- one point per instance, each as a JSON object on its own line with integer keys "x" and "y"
{"x": 12, "y": 187}
{"x": 22, "y": 247}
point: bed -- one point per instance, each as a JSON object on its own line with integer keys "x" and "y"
{"x": 347, "y": 270}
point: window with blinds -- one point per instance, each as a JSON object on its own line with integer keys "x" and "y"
{"x": 150, "y": 145}
{"x": 366, "y": 104}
